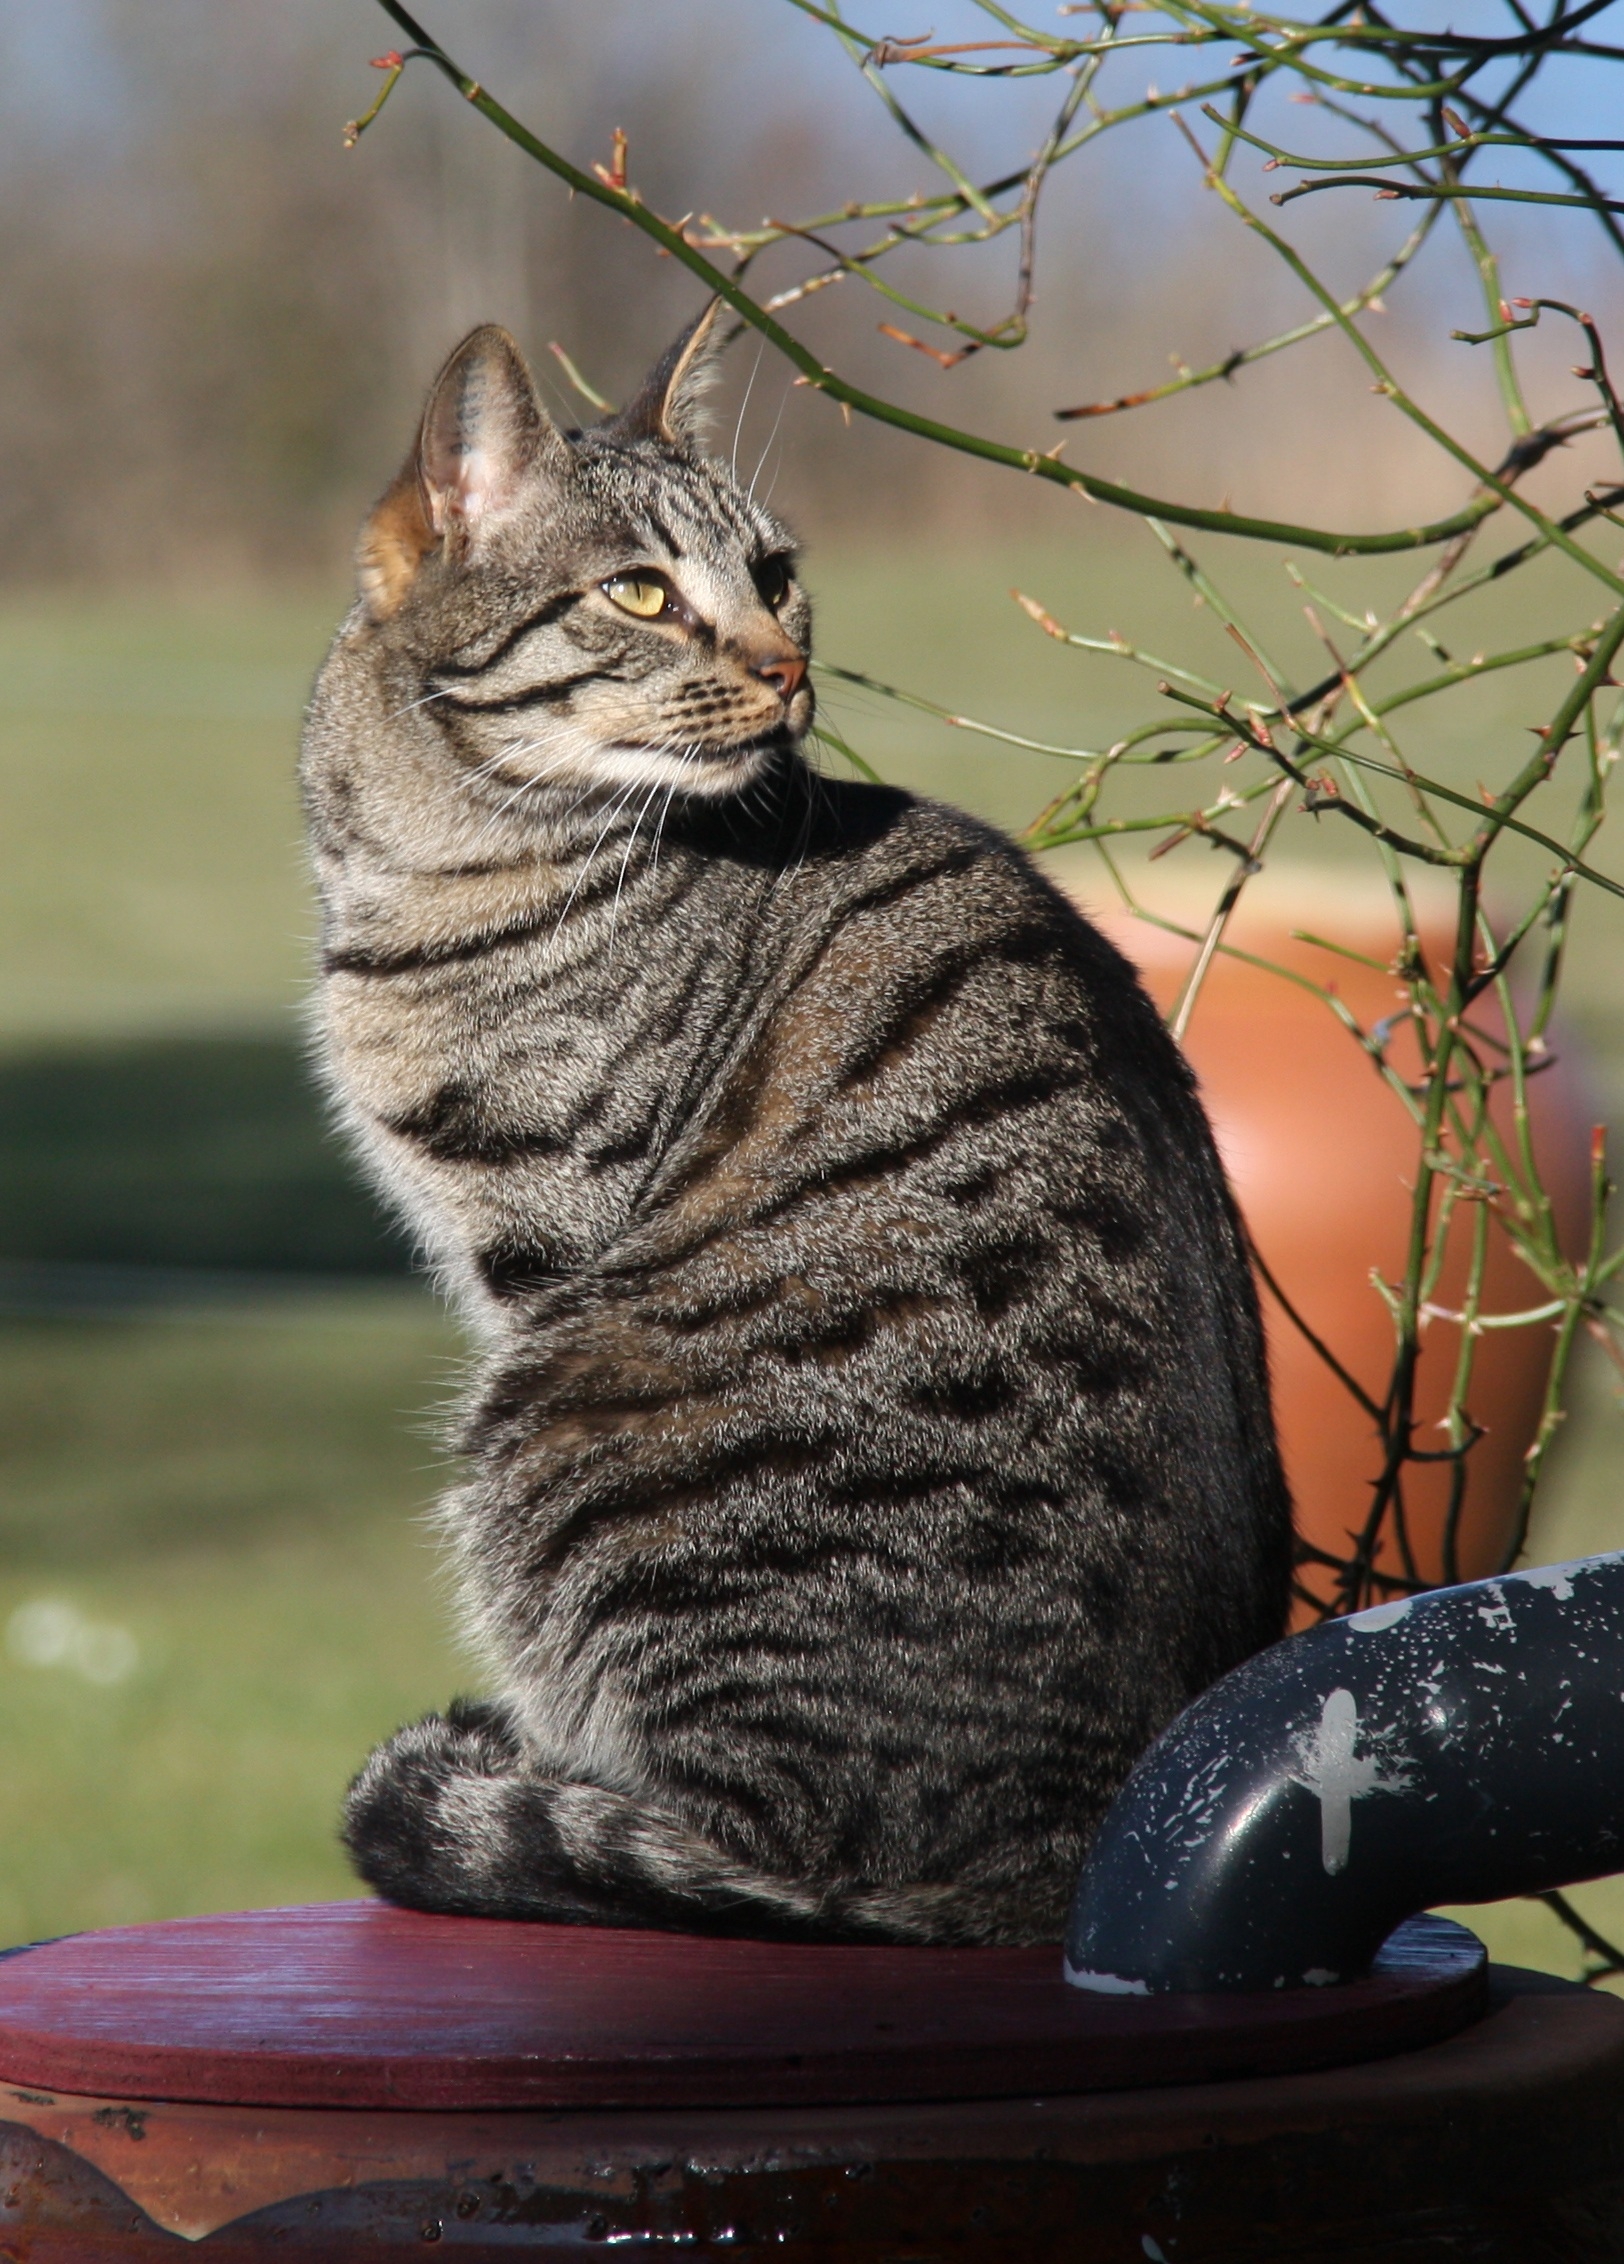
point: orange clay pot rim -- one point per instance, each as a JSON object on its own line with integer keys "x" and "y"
{"x": 1349, "y": 905}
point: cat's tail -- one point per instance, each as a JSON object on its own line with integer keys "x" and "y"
{"x": 447, "y": 1816}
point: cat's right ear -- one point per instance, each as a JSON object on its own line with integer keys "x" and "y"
{"x": 485, "y": 437}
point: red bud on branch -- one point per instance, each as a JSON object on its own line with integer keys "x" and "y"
{"x": 613, "y": 175}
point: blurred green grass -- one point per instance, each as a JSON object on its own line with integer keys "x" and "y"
{"x": 152, "y": 877}
{"x": 240, "y": 1486}
{"x": 178, "y": 1430}
{"x": 241, "y": 1491}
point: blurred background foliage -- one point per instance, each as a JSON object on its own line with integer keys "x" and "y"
{"x": 220, "y": 1377}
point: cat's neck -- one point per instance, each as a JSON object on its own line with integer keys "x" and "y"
{"x": 579, "y": 872}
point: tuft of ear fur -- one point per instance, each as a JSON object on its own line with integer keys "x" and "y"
{"x": 395, "y": 540}
{"x": 672, "y": 403}
{"x": 484, "y": 436}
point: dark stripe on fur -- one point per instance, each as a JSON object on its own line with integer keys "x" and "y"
{"x": 356, "y": 960}
{"x": 453, "y": 1126}
{"x": 554, "y": 694}
{"x": 554, "y": 609}
{"x": 509, "y": 1271}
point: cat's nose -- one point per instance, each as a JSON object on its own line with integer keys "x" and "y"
{"x": 785, "y": 672}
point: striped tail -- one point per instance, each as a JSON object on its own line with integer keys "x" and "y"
{"x": 447, "y": 1816}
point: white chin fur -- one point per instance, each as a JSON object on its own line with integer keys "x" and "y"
{"x": 707, "y": 772}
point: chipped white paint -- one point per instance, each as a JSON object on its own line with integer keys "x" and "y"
{"x": 1320, "y": 1977}
{"x": 1152, "y": 2248}
{"x": 1104, "y": 1984}
{"x": 1557, "y": 1577}
{"x": 1338, "y": 1774}
{"x": 1203, "y": 1798}
{"x": 1379, "y": 1616}
{"x": 1498, "y": 1614}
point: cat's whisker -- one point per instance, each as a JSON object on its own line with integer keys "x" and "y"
{"x": 509, "y": 751}
{"x": 631, "y": 844}
{"x": 616, "y": 806}
{"x": 395, "y": 714}
{"x": 809, "y": 807}
{"x": 750, "y": 386}
{"x": 766, "y": 452}
{"x": 526, "y": 786}
{"x": 689, "y": 752}
{"x": 659, "y": 827}
{"x": 493, "y": 763}
{"x": 540, "y": 778}
{"x": 592, "y": 789}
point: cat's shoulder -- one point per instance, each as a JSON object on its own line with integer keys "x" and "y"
{"x": 961, "y": 861}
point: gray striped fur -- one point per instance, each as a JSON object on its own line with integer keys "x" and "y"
{"x": 870, "y": 1447}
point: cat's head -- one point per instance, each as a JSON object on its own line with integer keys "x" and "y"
{"x": 600, "y": 608}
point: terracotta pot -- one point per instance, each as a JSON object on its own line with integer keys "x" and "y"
{"x": 1322, "y": 1155}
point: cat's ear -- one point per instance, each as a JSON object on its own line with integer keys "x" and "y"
{"x": 484, "y": 434}
{"x": 671, "y": 405}
{"x": 485, "y": 437}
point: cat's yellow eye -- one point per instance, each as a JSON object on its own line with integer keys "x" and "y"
{"x": 635, "y": 595}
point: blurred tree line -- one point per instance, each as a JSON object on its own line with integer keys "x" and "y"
{"x": 216, "y": 322}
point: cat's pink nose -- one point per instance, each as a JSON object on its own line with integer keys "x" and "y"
{"x": 784, "y": 673}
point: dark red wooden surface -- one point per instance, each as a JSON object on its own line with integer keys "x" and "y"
{"x": 1503, "y": 2145}
{"x": 359, "y": 2005}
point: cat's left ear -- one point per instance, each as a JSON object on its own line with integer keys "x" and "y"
{"x": 485, "y": 435}
{"x": 484, "y": 441}
{"x": 672, "y": 403}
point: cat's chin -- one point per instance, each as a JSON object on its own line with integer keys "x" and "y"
{"x": 709, "y": 773}
{"x": 721, "y": 771}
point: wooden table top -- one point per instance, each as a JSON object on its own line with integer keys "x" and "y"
{"x": 357, "y": 2004}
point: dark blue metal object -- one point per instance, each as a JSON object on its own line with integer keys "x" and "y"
{"x": 1453, "y": 1747}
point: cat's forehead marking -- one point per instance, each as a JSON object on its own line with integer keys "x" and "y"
{"x": 688, "y": 507}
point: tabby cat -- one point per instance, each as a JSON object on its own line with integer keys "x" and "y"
{"x": 870, "y": 1447}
